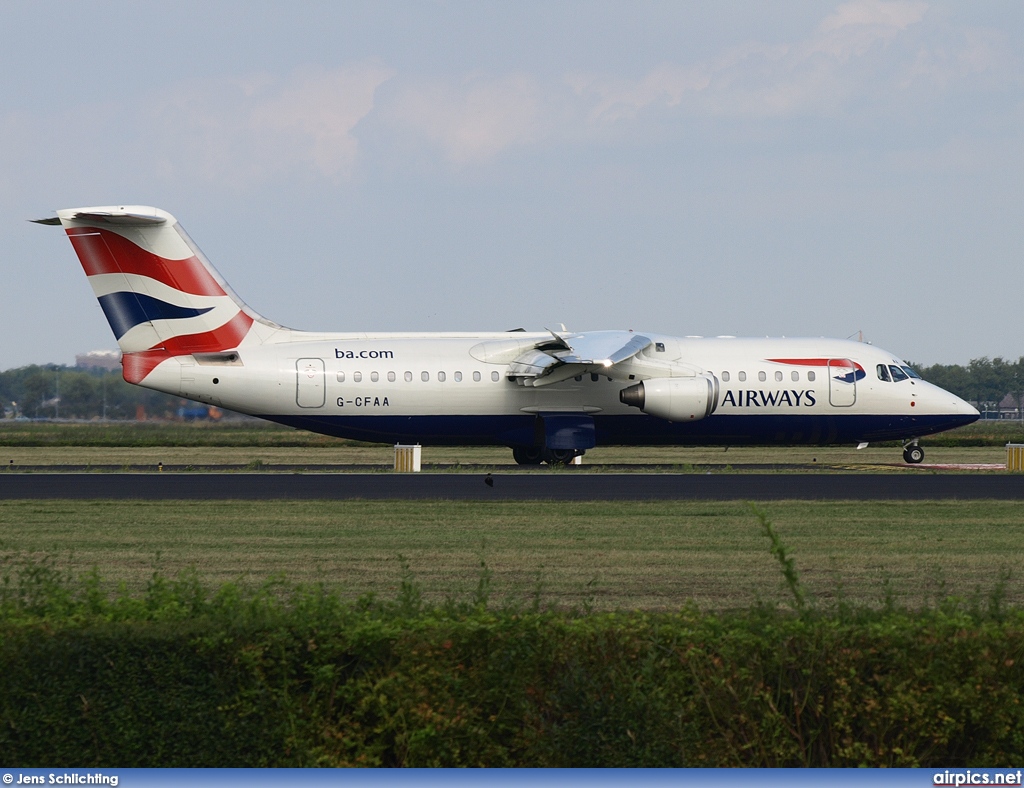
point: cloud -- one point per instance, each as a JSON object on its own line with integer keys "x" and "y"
{"x": 981, "y": 59}
{"x": 617, "y": 99}
{"x": 248, "y": 129}
{"x": 473, "y": 120}
{"x": 854, "y": 28}
{"x": 762, "y": 80}
{"x": 320, "y": 111}
{"x": 888, "y": 55}
{"x": 319, "y": 123}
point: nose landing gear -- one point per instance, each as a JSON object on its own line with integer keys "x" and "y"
{"x": 912, "y": 453}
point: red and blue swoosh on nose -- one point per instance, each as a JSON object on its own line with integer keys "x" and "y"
{"x": 855, "y": 373}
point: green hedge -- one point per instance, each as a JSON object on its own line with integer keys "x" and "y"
{"x": 185, "y": 676}
{"x": 312, "y": 682}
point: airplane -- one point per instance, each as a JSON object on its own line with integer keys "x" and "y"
{"x": 547, "y": 395}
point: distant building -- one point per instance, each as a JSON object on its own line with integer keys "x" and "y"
{"x": 1009, "y": 408}
{"x": 99, "y": 359}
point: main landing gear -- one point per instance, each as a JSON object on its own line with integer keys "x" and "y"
{"x": 912, "y": 453}
{"x": 531, "y": 455}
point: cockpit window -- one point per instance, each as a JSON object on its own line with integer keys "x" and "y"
{"x": 883, "y": 372}
{"x": 910, "y": 372}
{"x": 897, "y": 373}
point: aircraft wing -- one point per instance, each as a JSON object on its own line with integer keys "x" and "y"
{"x": 568, "y": 355}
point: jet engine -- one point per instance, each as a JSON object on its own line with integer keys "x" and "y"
{"x": 674, "y": 399}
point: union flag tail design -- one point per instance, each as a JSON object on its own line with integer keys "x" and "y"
{"x": 160, "y": 295}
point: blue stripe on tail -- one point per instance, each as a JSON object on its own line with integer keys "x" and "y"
{"x": 126, "y": 310}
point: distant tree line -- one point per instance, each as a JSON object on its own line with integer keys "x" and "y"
{"x": 55, "y": 391}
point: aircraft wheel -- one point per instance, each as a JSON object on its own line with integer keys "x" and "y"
{"x": 559, "y": 456}
{"x": 527, "y": 455}
{"x": 913, "y": 454}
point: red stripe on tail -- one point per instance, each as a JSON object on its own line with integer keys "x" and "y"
{"x": 104, "y": 252}
{"x": 136, "y": 366}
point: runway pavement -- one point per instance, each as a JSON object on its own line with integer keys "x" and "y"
{"x": 562, "y": 486}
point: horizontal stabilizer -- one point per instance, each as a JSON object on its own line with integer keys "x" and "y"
{"x": 126, "y": 218}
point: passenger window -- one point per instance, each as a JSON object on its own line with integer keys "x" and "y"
{"x": 357, "y": 377}
{"x": 743, "y": 376}
{"x": 778, "y": 375}
{"x": 391, "y": 377}
{"x": 458, "y": 377}
{"x": 794, "y": 375}
{"x": 883, "y": 373}
{"x": 408, "y": 377}
{"x": 424, "y": 376}
{"x": 659, "y": 347}
{"x": 725, "y": 377}
{"x": 341, "y": 377}
{"x": 476, "y": 377}
{"x": 441, "y": 376}
{"x": 761, "y": 376}
{"x": 496, "y": 377}
{"x": 810, "y": 375}
{"x": 374, "y": 377}
{"x": 594, "y": 377}
{"x": 897, "y": 373}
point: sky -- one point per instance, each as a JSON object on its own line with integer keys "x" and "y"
{"x": 745, "y": 168}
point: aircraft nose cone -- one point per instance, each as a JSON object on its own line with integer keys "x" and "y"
{"x": 964, "y": 412}
{"x": 966, "y": 409}
{"x": 946, "y": 403}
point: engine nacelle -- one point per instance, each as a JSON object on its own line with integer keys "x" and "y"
{"x": 674, "y": 399}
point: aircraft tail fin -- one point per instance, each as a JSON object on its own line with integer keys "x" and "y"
{"x": 159, "y": 293}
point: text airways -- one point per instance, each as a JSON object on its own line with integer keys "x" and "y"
{"x": 748, "y": 398}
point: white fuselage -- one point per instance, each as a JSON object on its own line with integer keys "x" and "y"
{"x": 388, "y": 387}
{"x": 182, "y": 330}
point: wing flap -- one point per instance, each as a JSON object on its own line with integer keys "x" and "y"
{"x": 569, "y": 355}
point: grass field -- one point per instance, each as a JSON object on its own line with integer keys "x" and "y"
{"x": 256, "y": 433}
{"x": 374, "y": 457}
{"x": 259, "y": 444}
{"x": 635, "y": 555}
{"x": 247, "y": 432}
{"x": 607, "y": 556}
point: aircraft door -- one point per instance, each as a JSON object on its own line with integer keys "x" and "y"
{"x": 842, "y": 382}
{"x": 309, "y": 383}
